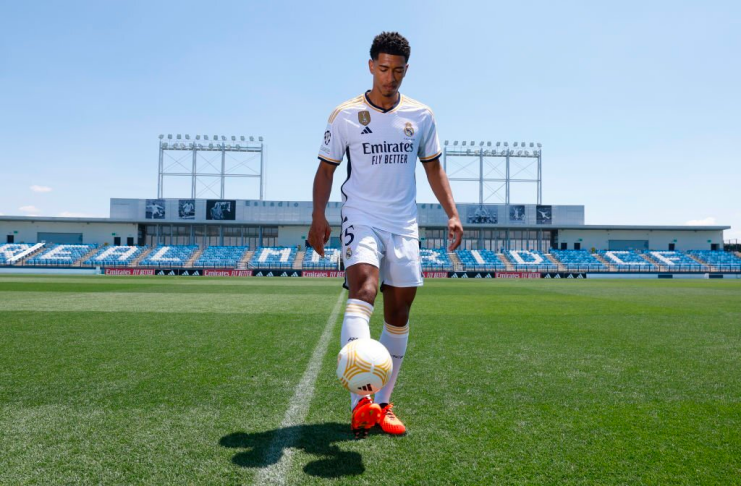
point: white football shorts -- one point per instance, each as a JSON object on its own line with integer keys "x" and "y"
{"x": 395, "y": 256}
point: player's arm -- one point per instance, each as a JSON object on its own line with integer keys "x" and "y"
{"x": 320, "y": 229}
{"x": 441, "y": 188}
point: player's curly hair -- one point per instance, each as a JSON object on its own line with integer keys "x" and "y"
{"x": 390, "y": 43}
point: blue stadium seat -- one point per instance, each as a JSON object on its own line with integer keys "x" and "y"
{"x": 165, "y": 256}
{"x": 627, "y": 260}
{"x": 330, "y": 261}
{"x": 221, "y": 256}
{"x": 722, "y": 260}
{"x": 61, "y": 255}
{"x": 480, "y": 260}
{"x": 273, "y": 257}
{"x": 11, "y": 253}
{"x": 675, "y": 260}
{"x": 433, "y": 259}
{"x": 111, "y": 256}
{"x": 529, "y": 260}
{"x": 578, "y": 260}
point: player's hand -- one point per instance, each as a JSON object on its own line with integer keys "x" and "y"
{"x": 455, "y": 233}
{"x": 319, "y": 234}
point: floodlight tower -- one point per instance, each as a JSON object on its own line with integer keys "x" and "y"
{"x": 501, "y": 160}
{"x": 243, "y": 158}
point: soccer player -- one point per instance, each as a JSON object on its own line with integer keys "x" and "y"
{"x": 381, "y": 133}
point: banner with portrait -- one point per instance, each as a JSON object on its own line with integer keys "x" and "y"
{"x": 221, "y": 210}
{"x": 187, "y": 209}
{"x": 481, "y": 214}
{"x": 517, "y": 213}
{"x": 544, "y": 214}
{"x": 155, "y": 209}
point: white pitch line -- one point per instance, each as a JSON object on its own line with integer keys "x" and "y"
{"x": 280, "y": 451}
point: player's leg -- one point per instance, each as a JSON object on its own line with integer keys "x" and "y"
{"x": 362, "y": 279}
{"x": 361, "y": 257}
{"x": 401, "y": 276}
{"x": 397, "y": 302}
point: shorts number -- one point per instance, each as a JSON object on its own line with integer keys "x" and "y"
{"x": 349, "y": 237}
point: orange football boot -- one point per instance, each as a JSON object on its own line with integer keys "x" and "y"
{"x": 389, "y": 422}
{"x": 365, "y": 415}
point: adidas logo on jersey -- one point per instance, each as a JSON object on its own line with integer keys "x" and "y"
{"x": 366, "y": 131}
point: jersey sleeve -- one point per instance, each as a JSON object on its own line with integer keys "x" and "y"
{"x": 429, "y": 146}
{"x": 333, "y": 146}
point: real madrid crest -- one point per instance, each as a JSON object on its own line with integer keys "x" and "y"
{"x": 364, "y": 117}
{"x": 408, "y": 129}
{"x": 348, "y": 253}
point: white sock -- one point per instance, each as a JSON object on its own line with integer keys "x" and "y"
{"x": 395, "y": 339}
{"x": 355, "y": 326}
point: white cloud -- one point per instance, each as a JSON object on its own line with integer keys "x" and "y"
{"x": 709, "y": 221}
{"x": 36, "y": 188}
{"x": 30, "y": 209}
{"x": 69, "y": 214}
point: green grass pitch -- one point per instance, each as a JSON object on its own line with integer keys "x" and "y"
{"x": 108, "y": 380}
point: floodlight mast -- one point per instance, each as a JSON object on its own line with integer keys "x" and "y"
{"x": 242, "y": 169}
{"x": 455, "y": 151}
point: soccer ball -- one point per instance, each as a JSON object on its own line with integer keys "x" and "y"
{"x": 364, "y": 366}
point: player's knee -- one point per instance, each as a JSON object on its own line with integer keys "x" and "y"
{"x": 398, "y": 317}
{"x": 366, "y": 292}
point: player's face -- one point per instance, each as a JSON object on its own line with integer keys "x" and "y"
{"x": 388, "y": 71}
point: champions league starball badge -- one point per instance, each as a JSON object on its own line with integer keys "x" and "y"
{"x": 364, "y": 117}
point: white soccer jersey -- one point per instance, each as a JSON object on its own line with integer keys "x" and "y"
{"x": 382, "y": 147}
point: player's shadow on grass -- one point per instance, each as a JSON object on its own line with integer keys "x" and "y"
{"x": 266, "y": 448}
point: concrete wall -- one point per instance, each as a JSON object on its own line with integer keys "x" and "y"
{"x": 657, "y": 239}
{"x": 100, "y": 233}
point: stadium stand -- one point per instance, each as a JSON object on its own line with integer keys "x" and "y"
{"x": 273, "y": 257}
{"x": 722, "y": 260}
{"x": 11, "y": 253}
{"x": 109, "y": 256}
{"x": 169, "y": 256}
{"x": 221, "y": 256}
{"x": 675, "y": 260}
{"x": 435, "y": 259}
{"x": 61, "y": 255}
{"x": 625, "y": 259}
{"x": 578, "y": 260}
{"x": 480, "y": 260}
{"x": 330, "y": 261}
{"x": 529, "y": 260}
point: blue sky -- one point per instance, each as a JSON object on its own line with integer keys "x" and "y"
{"x": 636, "y": 103}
